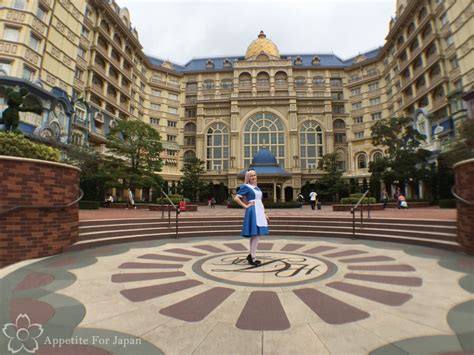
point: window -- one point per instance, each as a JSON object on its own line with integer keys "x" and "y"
{"x": 376, "y": 116}
{"x": 226, "y": 84}
{"x": 172, "y": 124}
{"x": 339, "y": 124}
{"x": 264, "y": 130}
{"x": 444, "y": 19}
{"x": 454, "y": 63}
{"x": 362, "y": 161}
{"x": 142, "y": 87}
{"x": 154, "y": 121}
{"x": 28, "y": 73}
{"x": 336, "y": 83}
{"x": 81, "y": 52}
{"x": 34, "y": 42}
{"x": 156, "y": 78}
{"x": 217, "y": 147}
{"x": 318, "y": 81}
{"x": 357, "y": 105}
{"x": 359, "y": 135}
{"x": 78, "y": 74}
{"x": 355, "y": 91}
{"x": 173, "y": 97}
{"x": 300, "y": 81}
{"x": 337, "y": 109}
{"x": 377, "y": 156}
{"x": 155, "y": 107}
{"x": 311, "y": 144}
{"x": 358, "y": 119}
{"x": 19, "y": 4}
{"x": 41, "y": 12}
{"x": 171, "y": 138}
{"x": 173, "y": 110}
{"x": 449, "y": 40}
{"x": 374, "y": 101}
{"x": 190, "y": 112}
{"x": 208, "y": 84}
{"x": 5, "y": 67}
{"x": 11, "y": 34}
{"x": 373, "y": 86}
{"x": 155, "y": 92}
{"x": 85, "y": 32}
{"x": 339, "y": 138}
{"x": 337, "y": 96}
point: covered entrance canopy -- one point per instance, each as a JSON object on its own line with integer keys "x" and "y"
{"x": 271, "y": 176}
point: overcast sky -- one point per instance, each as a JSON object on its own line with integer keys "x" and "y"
{"x": 179, "y": 30}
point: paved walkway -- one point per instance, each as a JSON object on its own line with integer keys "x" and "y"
{"x": 414, "y": 213}
{"x": 200, "y": 296}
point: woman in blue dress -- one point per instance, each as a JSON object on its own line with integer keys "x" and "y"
{"x": 255, "y": 220}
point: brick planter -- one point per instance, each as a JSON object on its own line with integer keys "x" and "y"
{"x": 464, "y": 171}
{"x": 36, "y": 232}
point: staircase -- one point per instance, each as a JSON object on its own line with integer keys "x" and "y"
{"x": 438, "y": 234}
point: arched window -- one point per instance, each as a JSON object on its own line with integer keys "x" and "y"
{"x": 410, "y": 29}
{"x": 377, "y": 156}
{"x": 311, "y": 145}
{"x": 339, "y": 124}
{"x": 189, "y": 154}
{"x": 263, "y": 80}
{"x": 281, "y": 78}
{"x": 217, "y": 147}
{"x": 208, "y": 84}
{"x": 362, "y": 161}
{"x": 81, "y": 112}
{"x": 245, "y": 81}
{"x": 190, "y": 128}
{"x": 264, "y": 130}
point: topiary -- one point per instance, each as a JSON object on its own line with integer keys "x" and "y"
{"x": 14, "y": 144}
{"x": 15, "y": 102}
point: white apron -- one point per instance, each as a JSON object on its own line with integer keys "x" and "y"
{"x": 259, "y": 209}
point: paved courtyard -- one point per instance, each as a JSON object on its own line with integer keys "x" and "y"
{"x": 199, "y": 296}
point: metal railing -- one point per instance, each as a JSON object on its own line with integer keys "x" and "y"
{"x": 353, "y": 209}
{"x": 163, "y": 194}
{"x": 453, "y": 191}
{"x": 81, "y": 195}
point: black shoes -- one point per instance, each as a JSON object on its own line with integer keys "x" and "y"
{"x": 252, "y": 261}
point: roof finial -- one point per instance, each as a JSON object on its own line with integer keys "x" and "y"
{"x": 262, "y": 35}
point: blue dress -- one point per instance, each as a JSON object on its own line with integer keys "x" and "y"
{"x": 255, "y": 222}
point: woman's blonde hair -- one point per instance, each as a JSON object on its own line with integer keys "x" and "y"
{"x": 247, "y": 176}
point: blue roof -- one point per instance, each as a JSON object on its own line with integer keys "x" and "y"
{"x": 265, "y": 163}
{"x": 267, "y": 170}
{"x": 264, "y": 157}
{"x": 326, "y": 60}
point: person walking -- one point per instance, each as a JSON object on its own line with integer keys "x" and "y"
{"x": 130, "y": 200}
{"x": 312, "y": 199}
{"x": 300, "y": 200}
{"x": 255, "y": 222}
{"x": 384, "y": 198}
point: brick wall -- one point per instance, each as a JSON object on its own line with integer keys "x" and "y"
{"x": 464, "y": 188}
{"x": 27, "y": 233}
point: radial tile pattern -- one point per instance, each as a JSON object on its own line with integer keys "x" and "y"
{"x": 197, "y": 296}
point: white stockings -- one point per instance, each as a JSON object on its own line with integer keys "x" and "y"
{"x": 253, "y": 246}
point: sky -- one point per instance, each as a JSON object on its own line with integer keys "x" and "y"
{"x": 180, "y": 30}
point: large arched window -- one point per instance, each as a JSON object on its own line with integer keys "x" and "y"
{"x": 189, "y": 154}
{"x": 377, "y": 156}
{"x": 311, "y": 145}
{"x": 245, "y": 81}
{"x": 264, "y": 130}
{"x": 217, "y": 147}
{"x": 362, "y": 161}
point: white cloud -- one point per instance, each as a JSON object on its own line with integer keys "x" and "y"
{"x": 180, "y": 30}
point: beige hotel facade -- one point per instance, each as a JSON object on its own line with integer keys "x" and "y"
{"x": 83, "y": 60}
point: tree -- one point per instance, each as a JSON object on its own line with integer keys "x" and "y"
{"x": 330, "y": 185}
{"x": 98, "y": 172}
{"x": 140, "y": 146}
{"x": 405, "y": 161}
{"x": 191, "y": 183}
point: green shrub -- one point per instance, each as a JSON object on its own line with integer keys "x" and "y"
{"x": 16, "y": 145}
{"x": 451, "y": 203}
{"x": 357, "y": 195}
{"x": 175, "y": 198}
{"x": 291, "y": 204}
{"x": 89, "y": 205}
{"x": 353, "y": 200}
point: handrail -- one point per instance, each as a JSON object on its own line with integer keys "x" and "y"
{"x": 361, "y": 212}
{"x": 81, "y": 195}
{"x": 453, "y": 191}
{"x": 169, "y": 211}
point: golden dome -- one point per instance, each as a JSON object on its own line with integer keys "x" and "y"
{"x": 262, "y": 45}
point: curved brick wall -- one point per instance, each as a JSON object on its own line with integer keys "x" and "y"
{"x": 28, "y": 233}
{"x": 464, "y": 187}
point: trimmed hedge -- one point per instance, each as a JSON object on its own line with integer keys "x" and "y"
{"x": 16, "y": 145}
{"x": 89, "y": 205}
{"x": 354, "y": 200}
{"x": 448, "y": 203}
{"x": 291, "y": 204}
